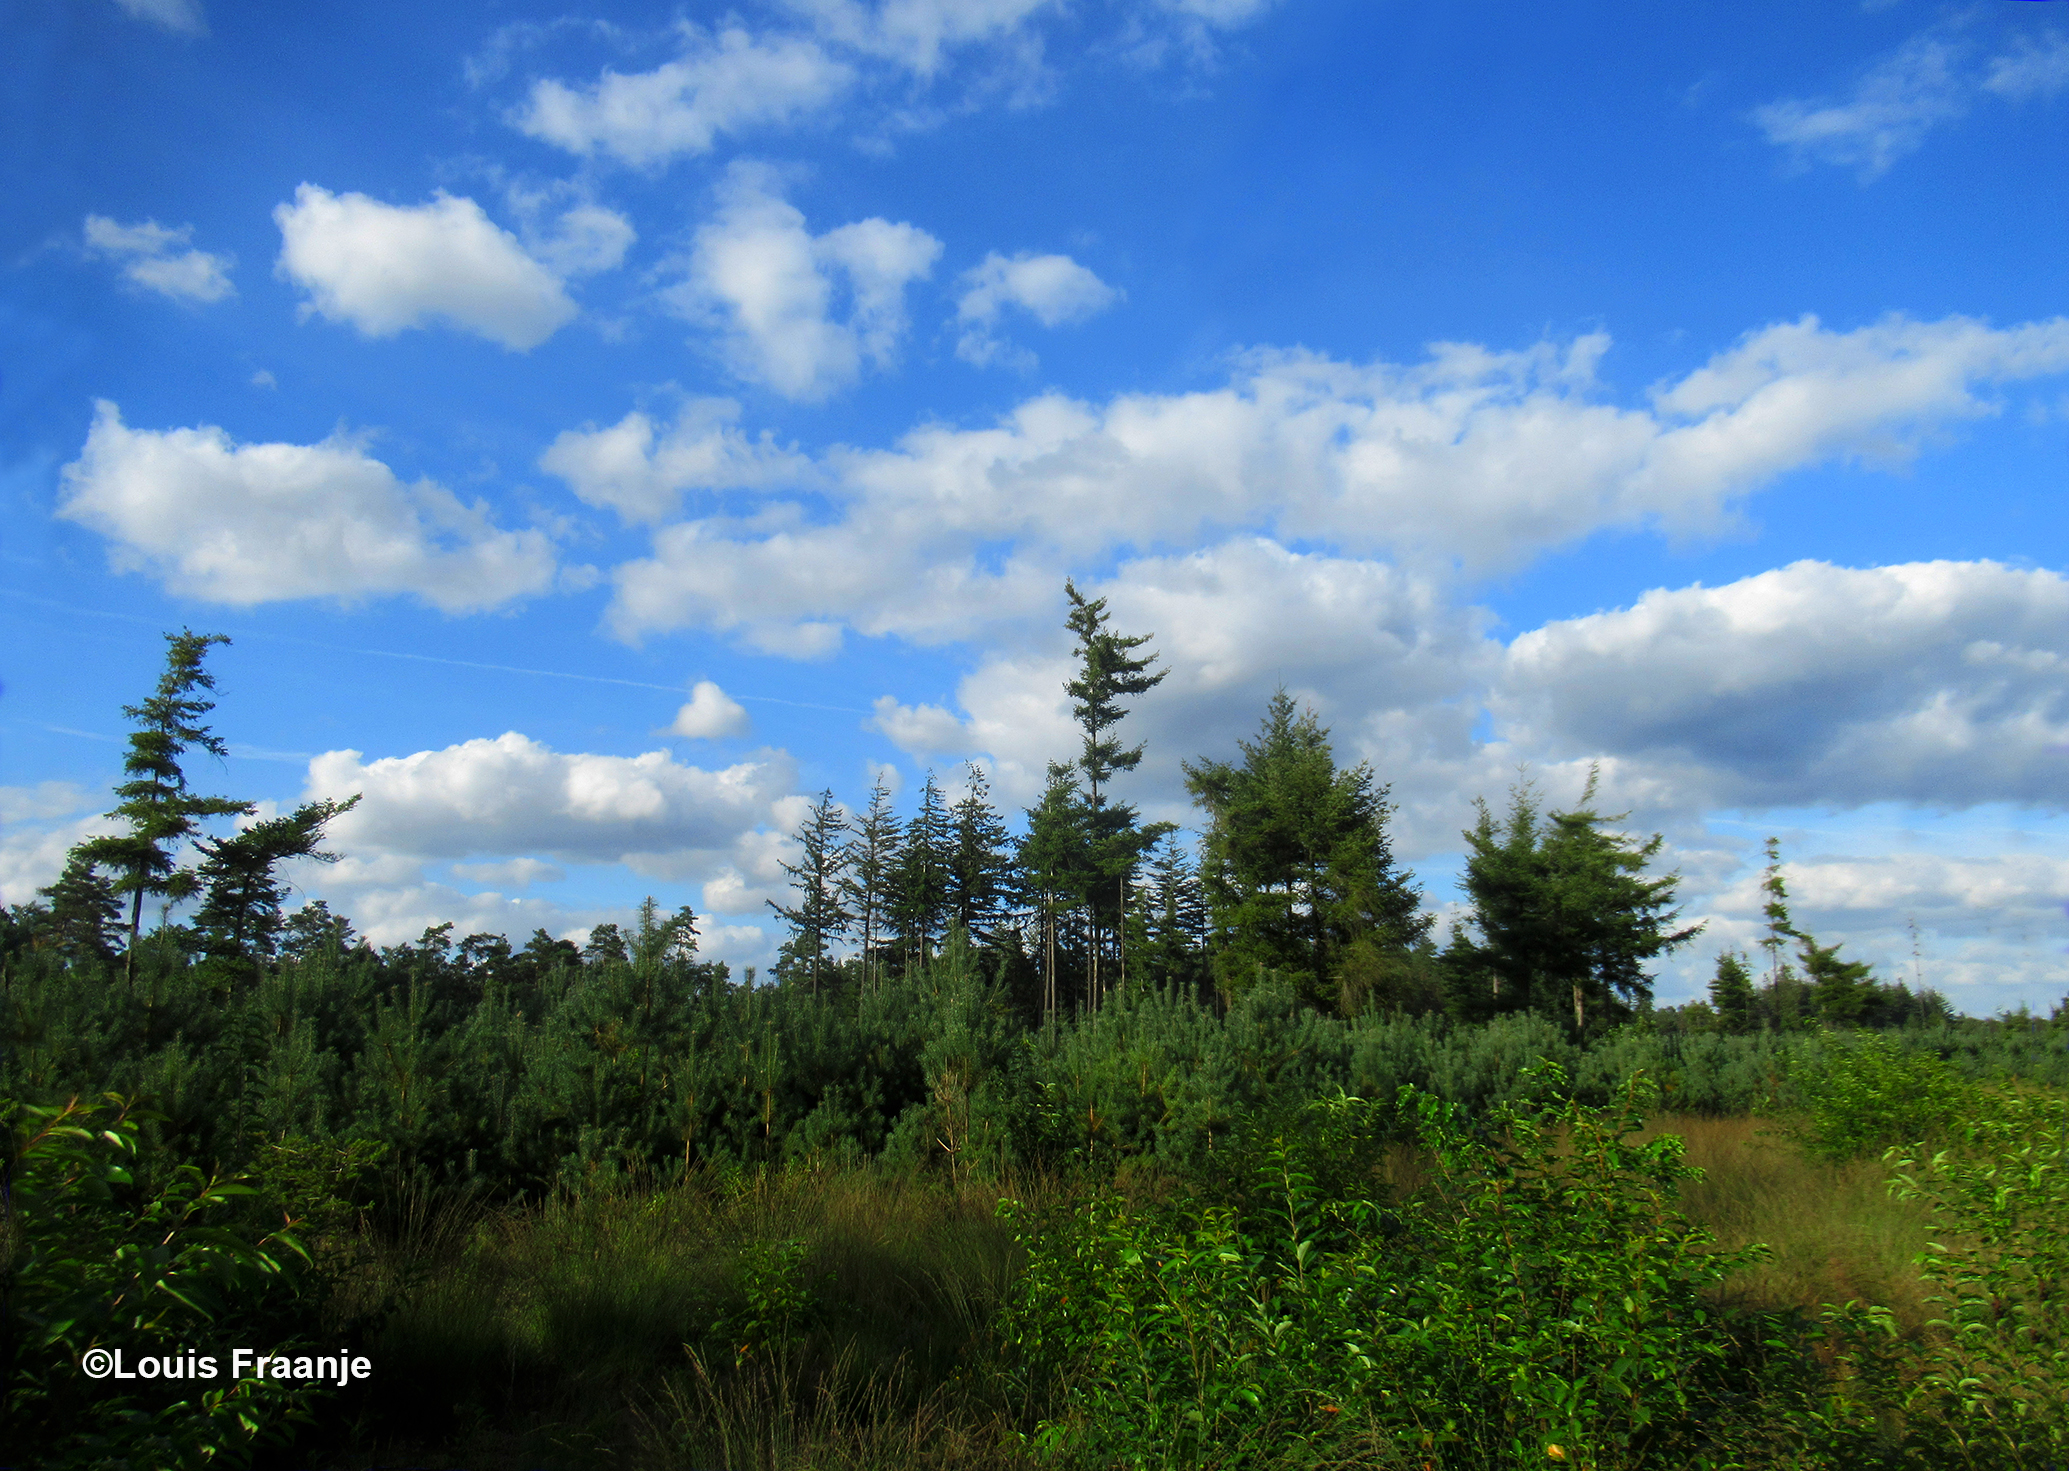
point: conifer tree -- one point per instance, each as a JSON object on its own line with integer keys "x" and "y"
{"x": 870, "y": 883}
{"x": 240, "y": 918}
{"x": 85, "y": 917}
{"x": 1055, "y": 871}
{"x": 161, "y": 812}
{"x": 977, "y": 873}
{"x": 819, "y": 917}
{"x": 1731, "y": 994}
{"x": 1297, "y": 864}
{"x": 1109, "y": 671}
{"x": 919, "y": 907}
{"x": 1565, "y": 916}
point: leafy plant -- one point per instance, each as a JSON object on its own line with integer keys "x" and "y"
{"x": 98, "y": 1257}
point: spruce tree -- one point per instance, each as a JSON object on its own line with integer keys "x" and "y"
{"x": 161, "y": 812}
{"x": 977, "y": 873}
{"x": 1731, "y": 994}
{"x": 919, "y": 903}
{"x": 1109, "y": 671}
{"x": 1297, "y": 864}
{"x": 870, "y": 883}
{"x": 1566, "y": 919}
{"x": 1055, "y": 872}
{"x": 240, "y": 919}
{"x": 819, "y": 917}
{"x": 85, "y": 918}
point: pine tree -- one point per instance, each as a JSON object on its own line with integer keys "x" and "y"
{"x": 85, "y": 917}
{"x": 871, "y": 877}
{"x": 1731, "y": 994}
{"x": 1109, "y": 670}
{"x": 919, "y": 905}
{"x": 1564, "y": 914}
{"x": 1054, "y": 871}
{"x": 240, "y": 919}
{"x": 1297, "y": 864}
{"x": 156, "y": 804}
{"x": 819, "y": 917}
{"x": 978, "y": 872}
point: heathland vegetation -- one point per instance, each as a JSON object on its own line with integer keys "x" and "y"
{"x": 1050, "y": 1143}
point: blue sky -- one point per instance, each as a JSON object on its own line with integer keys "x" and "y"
{"x": 599, "y": 428}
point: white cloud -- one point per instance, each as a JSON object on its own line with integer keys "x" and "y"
{"x": 1891, "y": 109}
{"x": 256, "y": 523}
{"x": 151, "y": 257}
{"x": 514, "y": 873}
{"x": 181, "y": 17}
{"x": 1934, "y": 682}
{"x": 1225, "y": 13}
{"x": 585, "y": 240}
{"x": 2036, "y": 69}
{"x": 1474, "y": 457}
{"x": 1930, "y": 80}
{"x": 776, "y": 291}
{"x": 920, "y": 729}
{"x": 720, "y": 84}
{"x": 710, "y": 715}
{"x": 514, "y": 795}
{"x": 919, "y": 34}
{"x": 626, "y": 468}
{"x": 1053, "y": 289}
{"x": 386, "y": 268}
{"x": 44, "y": 800}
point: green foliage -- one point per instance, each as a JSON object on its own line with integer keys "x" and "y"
{"x": 1566, "y": 922}
{"x": 1995, "y": 1379}
{"x": 1863, "y": 1094}
{"x": 1297, "y": 865}
{"x": 103, "y": 1253}
{"x": 1543, "y": 1300}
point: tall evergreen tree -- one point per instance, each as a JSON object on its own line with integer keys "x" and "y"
{"x": 240, "y": 919}
{"x": 1731, "y": 994}
{"x": 820, "y": 917}
{"x": 85, "y": 917}
{"x": 1055, "y": 874}
{"x": 1297, "y": 864}
{"x": 978, "y": 871}
{"x": 919, "y": 906}
{"x": 870, "y": 883}
{"x": 1109, "y": 672}
{"x": 1566, "y": 919}
{"x": 161, "y": 812}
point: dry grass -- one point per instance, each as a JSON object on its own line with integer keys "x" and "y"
{"x": 1835, "y": 1232}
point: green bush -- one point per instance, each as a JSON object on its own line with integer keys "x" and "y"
{"x": 1863, "y": 1094}
{"x": 97, "y": 1257}
{"x": 1541, "y": 1300}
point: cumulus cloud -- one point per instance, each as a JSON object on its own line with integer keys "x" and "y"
{"x": 1934, "y": 682}
{"x": 721, "y": 84}
{"x": 710, "y": 715}
{"x": 1053, "y": 289}
{"x": 256, "y": 523}
{"x": 181, "y": 17}
{"x": 1475, "y": 458}
{"x": 514, "y": 795}
{"x": 800, "y": 313}
{"x": 585, "y": 240}
{"x": 1932, "y": 79}
{"x": 920, "y": 729}
{"x": 514, "y": 873}
{"x": 386, "y": 268}
{"x": 642, "y": 473}
{"x": 150, "y": 256}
